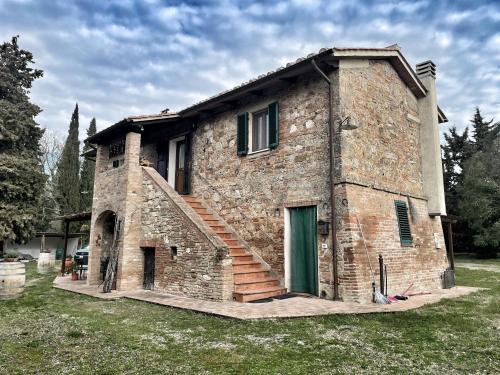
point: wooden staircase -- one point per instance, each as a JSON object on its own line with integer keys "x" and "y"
{"x": 251, "y": 280}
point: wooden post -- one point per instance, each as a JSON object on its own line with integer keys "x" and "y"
{"x": 450, "y": 246}
{"x": 381, "y": 266}
{"x": 63, "y": 261}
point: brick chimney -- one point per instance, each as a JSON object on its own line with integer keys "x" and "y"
{"x": 432, "y": 168}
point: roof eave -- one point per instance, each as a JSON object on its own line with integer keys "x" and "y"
{"x": 256, "y": 84}
{"x": 441, "y": 116}
{"x": 132, "y": 123}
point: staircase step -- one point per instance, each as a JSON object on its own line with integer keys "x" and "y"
{"x": 258, "y": 294}
{"x": 235, "y": 253}
{"x": 217, "y": 227}
{"x": 224, "y": 235}
{"x": 245, "y": 257}
{"x": 213, "y": 222}
{"x": 200, "y": 210}
{"x": 250, "y": 275}
{"x": 206, "y": 216}
{"x": 231, "y": 242}
{"x": 237, "y": 247}
{"x": 256, "y": 285}
{"x": 247, "y": 266}
{"x": 238, "y": 250}
{"x": 244, "y": 262}
{"x": 190, "y": 198}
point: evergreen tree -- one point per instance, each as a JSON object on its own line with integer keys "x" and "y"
{"x": 457, "y": 149}
{"x": 21, "y": 174}
{"x": 484, "y": 132}
{"x": 68, "y": 170}
{"x": 87, "y": 174}
{"x": 480, "y": 203}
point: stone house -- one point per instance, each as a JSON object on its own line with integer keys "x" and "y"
{"x": 232, "y": 197}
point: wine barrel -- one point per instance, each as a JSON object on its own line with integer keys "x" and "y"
{"x": 12, "y": 279}
{"x": 45, "y": 263}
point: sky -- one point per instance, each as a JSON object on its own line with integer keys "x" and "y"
{"x": 124, "y": 57}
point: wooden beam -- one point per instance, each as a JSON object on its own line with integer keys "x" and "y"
{"x": 289, "y": 80}
{"x": 207, "y": 111}
{"x": 258, "y": 93}
{"x": 65, "y": 250}
{"x": 231, "y": 103}
{"x": 451, "y": 255}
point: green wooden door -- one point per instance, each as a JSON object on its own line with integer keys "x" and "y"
{"x": 304, "y": 258}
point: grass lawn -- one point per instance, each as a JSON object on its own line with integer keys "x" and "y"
{"x": 50, "y": 331}
{"x": 469, "y": 258}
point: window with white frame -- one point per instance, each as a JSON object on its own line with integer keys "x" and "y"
{"x": 259, "y": 135}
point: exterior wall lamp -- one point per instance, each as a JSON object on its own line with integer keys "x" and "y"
{"x": 348, "y": 123}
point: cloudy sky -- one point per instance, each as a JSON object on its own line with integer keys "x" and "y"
{"x": 123, "y": 57}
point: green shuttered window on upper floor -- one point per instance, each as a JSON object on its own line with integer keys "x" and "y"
{"x": 273, "y": 110}
{"x": 259, "y": 130}
{"x": 404, "y": 223}
{"x": 242, "y": 134}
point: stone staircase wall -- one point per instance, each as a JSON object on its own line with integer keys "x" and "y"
{"x": 201, "y": 267}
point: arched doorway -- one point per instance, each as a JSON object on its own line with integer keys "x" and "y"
{"x": 103, "y": 231}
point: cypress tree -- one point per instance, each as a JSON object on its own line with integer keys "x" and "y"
{"x": 68, "y": 170}
{"x": 21, "y": 174}
{"x": 87, "y": 174}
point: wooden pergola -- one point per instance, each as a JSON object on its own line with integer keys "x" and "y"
{"x": 80, "y": 216}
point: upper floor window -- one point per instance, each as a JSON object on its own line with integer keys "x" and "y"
{"x": 260, "y": 131}
{"x": 116, "y": 152}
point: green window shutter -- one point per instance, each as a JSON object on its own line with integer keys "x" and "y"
{"x": 273, "y": 110}
{"x": 404, "y": 223}
{"x": 242, "y": 134}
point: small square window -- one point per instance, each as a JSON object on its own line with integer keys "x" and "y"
{"x": 116, "y": 163}
{"x": 260, "y": 130}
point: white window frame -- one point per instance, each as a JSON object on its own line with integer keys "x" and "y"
{"x": 253, "y": 116}
{"x": 256, "y": 109}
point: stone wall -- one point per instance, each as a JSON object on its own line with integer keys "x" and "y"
{"x": 118, "y": 190}
{"x": 381, "y": 162}
{"x": 251, "y": 192}
{"x": 109, "y": 193}
{"x": 385, "y": 150}
{"x": 201, "y": 267}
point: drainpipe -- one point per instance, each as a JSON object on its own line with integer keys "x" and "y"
{"x": 331, "y": 127}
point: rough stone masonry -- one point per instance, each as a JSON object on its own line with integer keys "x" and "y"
{"x": 377, "y": 164}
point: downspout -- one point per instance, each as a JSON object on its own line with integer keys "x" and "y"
{"x": 331, "y": 127}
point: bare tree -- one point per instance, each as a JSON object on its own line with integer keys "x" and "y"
{"x": 51, "y": 146}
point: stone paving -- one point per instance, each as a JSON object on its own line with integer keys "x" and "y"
{"x": 297, "y": 306}
{"x": 81, "y": 287}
